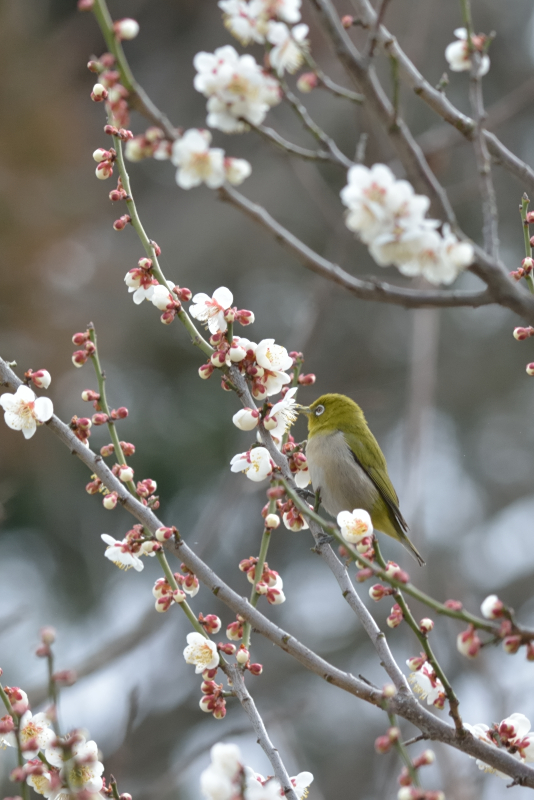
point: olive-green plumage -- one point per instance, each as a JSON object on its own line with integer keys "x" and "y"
{"x": 348, "y": 467}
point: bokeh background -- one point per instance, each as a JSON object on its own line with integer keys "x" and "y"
{"x": 445, "y": 392}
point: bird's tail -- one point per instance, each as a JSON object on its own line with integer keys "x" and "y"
{"x": 412, "y": 549}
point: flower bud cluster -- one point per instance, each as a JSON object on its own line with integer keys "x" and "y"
{"x": 468, "y": 642}
{"x": 109, "y": 88}
{"x": 396, "y": 616}
{"x": 188, "y": 581}
{"x": 291, "y": 515}
{"x": 150, "y": 144}
{"x": 81, "y": 427}
{"x": 104, "y": 159}
{"x": 296, "y": 458}
{"x": 234, "y": 631}
{"x": 526, "y": 266}
{"x": 79, "y": 357}
{"x": 384, "y": 743}
{"x": 165, "y": 595}
{"x": 212, "y": 701}
{"x": 211, "y": 623}
{"x": 270, "y": 584}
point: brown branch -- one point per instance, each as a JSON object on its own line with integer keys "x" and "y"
{"x": 438, "y": 101}
{"x": 365, "y": 289}
{"x": 404, "y": 705}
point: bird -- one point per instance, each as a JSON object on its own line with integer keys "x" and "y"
{"x": 348, "y": 467}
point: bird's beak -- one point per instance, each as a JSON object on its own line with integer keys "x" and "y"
{"x": 303, "y": 409}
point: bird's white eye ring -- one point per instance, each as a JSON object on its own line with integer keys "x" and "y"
{"x": 319, "y": 410}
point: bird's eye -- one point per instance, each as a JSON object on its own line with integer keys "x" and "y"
{"x": 319, "y": 410}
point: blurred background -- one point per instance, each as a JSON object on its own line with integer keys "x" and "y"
{"x": 445, "y": 392}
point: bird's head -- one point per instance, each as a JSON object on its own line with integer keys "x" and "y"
{"x": 331, "y": 412}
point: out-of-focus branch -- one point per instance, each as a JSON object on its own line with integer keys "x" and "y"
{"x": 332, "y": 86}
{"x": 487, "y": 189}
{"x": 293, "y": 149}
{"x": 323, "y": 138}
{"x": 437, "y": 100}
{"x": 404, "y": 705}
{"x": 365, "y": 289}
{"x": 380, "y": 106}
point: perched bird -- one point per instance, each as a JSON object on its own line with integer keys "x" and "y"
{"x": 348, "y": 467}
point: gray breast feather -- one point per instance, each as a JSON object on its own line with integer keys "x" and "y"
{"x": 343, "y": 483}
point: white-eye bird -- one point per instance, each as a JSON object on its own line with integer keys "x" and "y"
{"x": 348, "y": 467}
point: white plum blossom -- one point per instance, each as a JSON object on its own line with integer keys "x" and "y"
{"x": 141, "y": 284}
{"x": 240, "y": 347}
{"x": 83, "y": 772}
{"x": 243, "y": 21}
{"x": 246, "y": 419}
{"x": 289, "y": 46}
{"x": 121, "y": 553}
{"x": 274, "y": 359}
{"x": 426, "y": 684}
{"x": 33, "y": 729}
{"x": 255, "y": 463}
{"x": 197, "y": 162}
{"x": 42, "y": 784}
{"x": 249, "y": 22}
{"x": 492, "y": 607}
{"x": 512, "y": 734}
{"x": 355, "y": 525}
{"x": 161, "y": 297}
{"x": 390, "y": 219}
{"x": 260, "y": 788}
{"x": 237, "y": 88}
{"x": 281, "y": 416}
{"x": 23, "y": 411}
{"x": 236, "y": 170}
{"x": 210, "y": 310}
{"x": 201, "y": 652}
{"x": 458, "y": 56}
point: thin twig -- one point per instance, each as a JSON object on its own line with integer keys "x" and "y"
{"x": 243, "y": 695}
{"x": 487, "y": 190}
{"x": 293, "y": 149}
{"x": 332, "y": 86}
{"x": 373, "y": 35}
{"x": 362, "y": 288}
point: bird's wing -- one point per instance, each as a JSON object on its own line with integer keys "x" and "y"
{"x": 378, "y": 473}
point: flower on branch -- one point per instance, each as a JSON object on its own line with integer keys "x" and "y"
{"x": 390, "y": 219}
{"x": 273, "y": 359}
{"x": 289, "y": 46}
{"x": 23, "y": 411}
{"x": 197, "y": 162}
{"x": 237, "y": 88}
{"x": 426, "y": 684}
{"x": 250, "y": 22}
{"x": 458, "y": 54}
{"x": 211, "y": 310}
{"x": 201, "y": 652}
{"x": 512, "y": 734}
{"x": 255, "y": 463}
{"x": 125, "y": 554}
{"x": 35, "y": 734}
{"x": 281, "y": 416}
{"x": 355, "y": 525}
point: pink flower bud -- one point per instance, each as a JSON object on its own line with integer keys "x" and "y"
{"x": 178, "y": 596}
{"x": 426, "y": 625}
{"x": 126, "y": 28}
{"x": 90, "y": 396}
{"x": 229, "y": 315}
{"x": 245, "y": 317}
{"x": 426, "y": 758}
{"x": 85, "y": 5}
{"x": 43, "y": 651}
{"x": 242, "y": 655}
{"x": 225, "y": 647}
{"x": 110, "y": 501}
{"x": 93, "y": 487}
{"x": 116, "y": 194}
{"x": 111, "y": 130}
{"x": 396, "y": 617}
{"x": 100, "y": 419}
{"x": 454, "y": 605}
{"x": 347, "y": 21}
{"x": 84, "y": 423}
{"x": 79, "y": 357}
{"x": 530, "y": 368}
{"x": 6, "y": 724}
{"x": 307, "y": 81}
{"x": 255, "y": 669}
{"x": 521, "y": 334}
{"x": 307, "y": 380}
{"x": 382, "y": 744}
{"x": 416, "y": 662}
{"x": 127, "y": 448}
{"x": 364, "y": 574}
{"x": 67, "y": 677}
{"x": 100, "y": 155}
{"x": 41, "y": 378}
{"x": 163, "y": 534}
{"x": 104, "y": 171}
{"x": 512, "y": 644}
{"x": 220, "y": 711}
{"x": 468, "y": 642}
{"x": 377, "y": 592}
{"x": 492, "y": 607}
{"x": 99, "y": 93}
{"x": 527, "y": 264}
{"x": 205, "y": 371}
{"x": 121, "y": 413}
{"x": 218, "y": 358}
{"x": 211, "y": 623}
{"x": 122, "y": 222}
{"x": 126, "y": 473}
{"x": 206, "y": 703}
